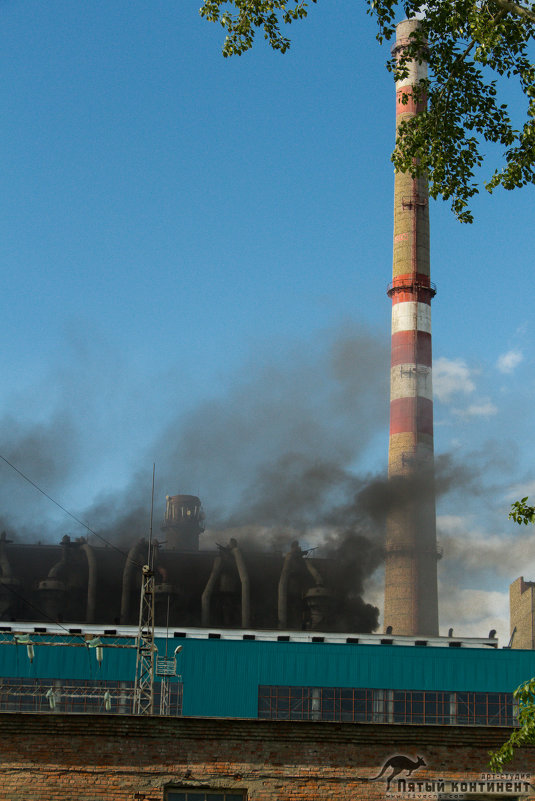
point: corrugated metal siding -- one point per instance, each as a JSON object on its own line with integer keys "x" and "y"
{"x": 67, "y": 662}
{"x": 227, "y": 674}
{"x": 221, "y": 677}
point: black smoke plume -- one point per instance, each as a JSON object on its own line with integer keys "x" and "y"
{"x": 279, "y": 454}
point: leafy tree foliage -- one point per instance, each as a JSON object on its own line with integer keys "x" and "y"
{"x": 525, "y": 699}
{"x": 469, "y": 45}
{"x": 524, "y": 695}
{"x": 522, "y": 513}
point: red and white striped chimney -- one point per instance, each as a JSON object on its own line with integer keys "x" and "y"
{"x": 411, "y": 605}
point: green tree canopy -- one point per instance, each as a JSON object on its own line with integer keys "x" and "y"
{"x": 524, "y": 696}
{"x": 469, "y": 45}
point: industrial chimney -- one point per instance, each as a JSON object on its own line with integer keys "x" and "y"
{"x": 183, "y": 522}
{"x": 411, "y": 605}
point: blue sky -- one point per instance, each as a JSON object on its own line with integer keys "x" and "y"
{"x": 195, "y": 253}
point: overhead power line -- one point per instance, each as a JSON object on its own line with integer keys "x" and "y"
{"x": 67, "y": 512}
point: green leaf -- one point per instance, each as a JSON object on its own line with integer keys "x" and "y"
{"x": 468, "y": 45}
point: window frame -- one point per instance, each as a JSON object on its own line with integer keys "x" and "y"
{"x": 379, "y": 705}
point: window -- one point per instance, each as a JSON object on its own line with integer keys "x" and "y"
{"x": 484, "y": 709}
{"x": 422, "y": 707}
{"x": 339, "y": 704}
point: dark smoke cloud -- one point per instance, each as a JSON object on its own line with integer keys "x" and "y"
{"x": 47, "y": 452}
{"x": 280, "y": 444}
{"x": 120, "y": 518}
{"x": 277, "y": 455}
{"x": 50, "y": 446}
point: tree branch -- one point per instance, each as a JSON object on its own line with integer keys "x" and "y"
{"x": 514, "y": 8}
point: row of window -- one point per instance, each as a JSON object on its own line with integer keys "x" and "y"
{"x": 72, "y": 695}
{"x": 338, "y": 704}
{"x": 385, "y": 706}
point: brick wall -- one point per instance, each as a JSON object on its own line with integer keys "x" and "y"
{"x": 521, "y": 613}
{"x": 52, "y": 757}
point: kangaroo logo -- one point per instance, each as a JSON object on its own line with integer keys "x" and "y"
{"x": 397, "y": 764}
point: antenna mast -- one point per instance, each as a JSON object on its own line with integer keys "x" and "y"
{"x": 146, "y": 649}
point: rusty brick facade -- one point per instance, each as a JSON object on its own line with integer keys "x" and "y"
{"x": 92, "y": 757}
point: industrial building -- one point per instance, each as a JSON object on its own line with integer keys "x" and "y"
{"x": 267, "y": 681}
{"x": 237, "y": 587}
{"x": 268, "y": 674}
{"x": 256, "y": 715}
{"x": 232, "y": 586}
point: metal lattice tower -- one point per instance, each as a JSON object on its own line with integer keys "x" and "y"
{"x": 146, "y": 648}
{"x": 145, "y": 645}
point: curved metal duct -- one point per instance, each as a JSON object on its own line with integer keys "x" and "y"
{"x": 135, "y": 554}
{"x": 57, "y": 569}
{"x": 314, "y": 572}
{"x": 52, "y": 589}
{"x": 317, "y": 599}
{"x": 91, "y": 582}
{"x": 9, "y": 602}
{"x": 208, "y": 590}
{"x": 4, "y": 561}
{"x": 245, "y": 584}
{"x": 291, "y": 556}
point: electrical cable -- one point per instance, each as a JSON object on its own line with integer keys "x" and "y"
{"x": 35, "y": 608}
{"x": 67, "y": 512}
{"x": 84, "y": 525}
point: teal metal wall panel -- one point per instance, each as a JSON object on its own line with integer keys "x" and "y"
{"x": 216, "y": 683}
{"x": 54, "y": 662}
{"x": 221, "y": 677}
